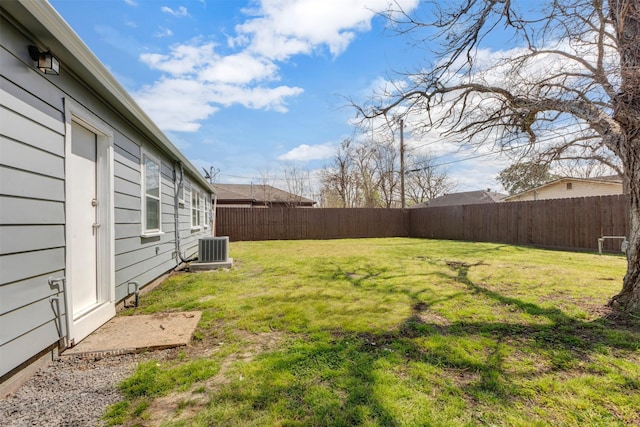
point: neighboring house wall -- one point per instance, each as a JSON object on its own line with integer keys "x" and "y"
{"x": 569, "y": 188}
{"x": 39, "y": 117}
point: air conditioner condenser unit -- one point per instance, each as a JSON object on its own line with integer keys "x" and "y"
{"x": 213, "y": 249}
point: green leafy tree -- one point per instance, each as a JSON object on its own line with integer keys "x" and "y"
{"x": 524, "y": 176}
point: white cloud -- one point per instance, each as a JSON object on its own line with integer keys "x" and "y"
{"x": 273, "y": 32}
{"x": 176, "y": 104}
{"x": 282, "y": 28}
{"x": 131, "y": 2}
{"x": 183, "y": 59}
{"x": 240, "y": 68}
{"x": 163, "y": 32}
{"x": 253, "y": 97}
{"x": 179, "y": 104}
{"x": 306, "y": 152}
{"x": 179, "y": 12}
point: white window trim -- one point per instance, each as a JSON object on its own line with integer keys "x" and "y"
{"x": 198, "y": 226}
{"x": 143, "y": 199}
{"x": 206, "y": 208}
{"x": 182, "y": 195}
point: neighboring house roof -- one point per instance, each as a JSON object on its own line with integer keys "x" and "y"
{"x": 464, "y": 198}
{"x": 46, "y": 25}
{"x": 568, "y": 187}
{"x": 255, "y": 194}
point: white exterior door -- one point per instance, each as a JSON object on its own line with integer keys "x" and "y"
{"x": 90, "y": 298}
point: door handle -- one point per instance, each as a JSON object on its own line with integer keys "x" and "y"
{"x": 95, "y": 226}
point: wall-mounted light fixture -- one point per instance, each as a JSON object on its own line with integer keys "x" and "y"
{"x": 47, "y": 63}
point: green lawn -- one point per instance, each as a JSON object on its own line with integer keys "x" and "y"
{"x": 394, "y": 332}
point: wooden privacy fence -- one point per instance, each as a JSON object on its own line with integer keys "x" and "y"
{"x": 562, "y": 223}
{"x": 308, "y": 223}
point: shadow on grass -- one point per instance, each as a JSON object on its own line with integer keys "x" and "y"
{"x": 565, "y": 340}
{"x": 342, "y": 378}
{"x": 320, "y": 381}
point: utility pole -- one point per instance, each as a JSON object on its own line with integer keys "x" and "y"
{"x": 402, "y": 199}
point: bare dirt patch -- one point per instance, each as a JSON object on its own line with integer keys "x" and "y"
{"x": 424, "y": 314}
{"x": 185, "y": 405}
{"x": 433, "y": 318}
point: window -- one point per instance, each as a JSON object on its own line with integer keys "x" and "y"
{"x": 151, "y": 195}
{"x": 182, "y": 193}
{"x": 205, "y": 208}
{"x": 195, "y": 208}
{"x": 569, "y": 185}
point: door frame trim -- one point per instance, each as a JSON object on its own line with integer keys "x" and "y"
{"x": 105, "y": 254}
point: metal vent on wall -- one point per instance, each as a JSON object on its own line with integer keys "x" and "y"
{"x": 213, "y": 249}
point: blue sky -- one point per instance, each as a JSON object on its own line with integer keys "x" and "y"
{"x": 247, "y": 86}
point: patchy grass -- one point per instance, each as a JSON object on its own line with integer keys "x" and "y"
{"x": 394, "y": 332}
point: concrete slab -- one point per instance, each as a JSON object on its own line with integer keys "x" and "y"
{"x": 207, "y": 266}
{"x": 134, "y": 334}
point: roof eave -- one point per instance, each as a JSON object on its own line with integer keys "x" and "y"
{"x": 74, "y": 53}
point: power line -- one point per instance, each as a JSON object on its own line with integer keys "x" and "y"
{"x": 491, "y": 153}
{"x": 560, "y": 121}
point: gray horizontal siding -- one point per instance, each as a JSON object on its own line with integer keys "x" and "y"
{"x": 125, "y": 157}
{"x": 22, "y": 293}
{"x": 149, "y": 268}
{"x": 24, "y": 238}
{"x": 127, "y": 148}
{"x": 19, "y": 266}
{"x": 127, "y": 216}
{"x": 123, "y": 186}
{"x": 32, "y": 194}
{"x": 127, "y": 201}
{"x": 25, "y": 319}
{"x": 25, "y": 130}
{"x": 22, "y": 156}
{"x": 127, "y": 244}
{"x": 14, "y": 182}
{"x": 126, "y": 171}
{"x": 15, "y": 210}
{"x": 20, "y": 349}
{"x": 128, "y": 259}
{"x": 124, "y": 231}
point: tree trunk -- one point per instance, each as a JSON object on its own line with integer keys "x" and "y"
{"x": 626, "y": 18}
{"x": 628, "y": 299}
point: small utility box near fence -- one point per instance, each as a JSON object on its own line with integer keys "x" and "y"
{"x": 623, "y": 245}
{"x": 570, "y": 224}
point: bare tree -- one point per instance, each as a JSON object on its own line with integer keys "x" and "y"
{"x": 367, "y": 178}
{"x": 584, "y": 168}
{"x": 425, "y": 181}
{"x": 298, "y": 183}
{"x": 571, "y": 89}
{"x": 385, "y": 159}
{"x": 262, "y": 189}
{"x": 339, "y": 183}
